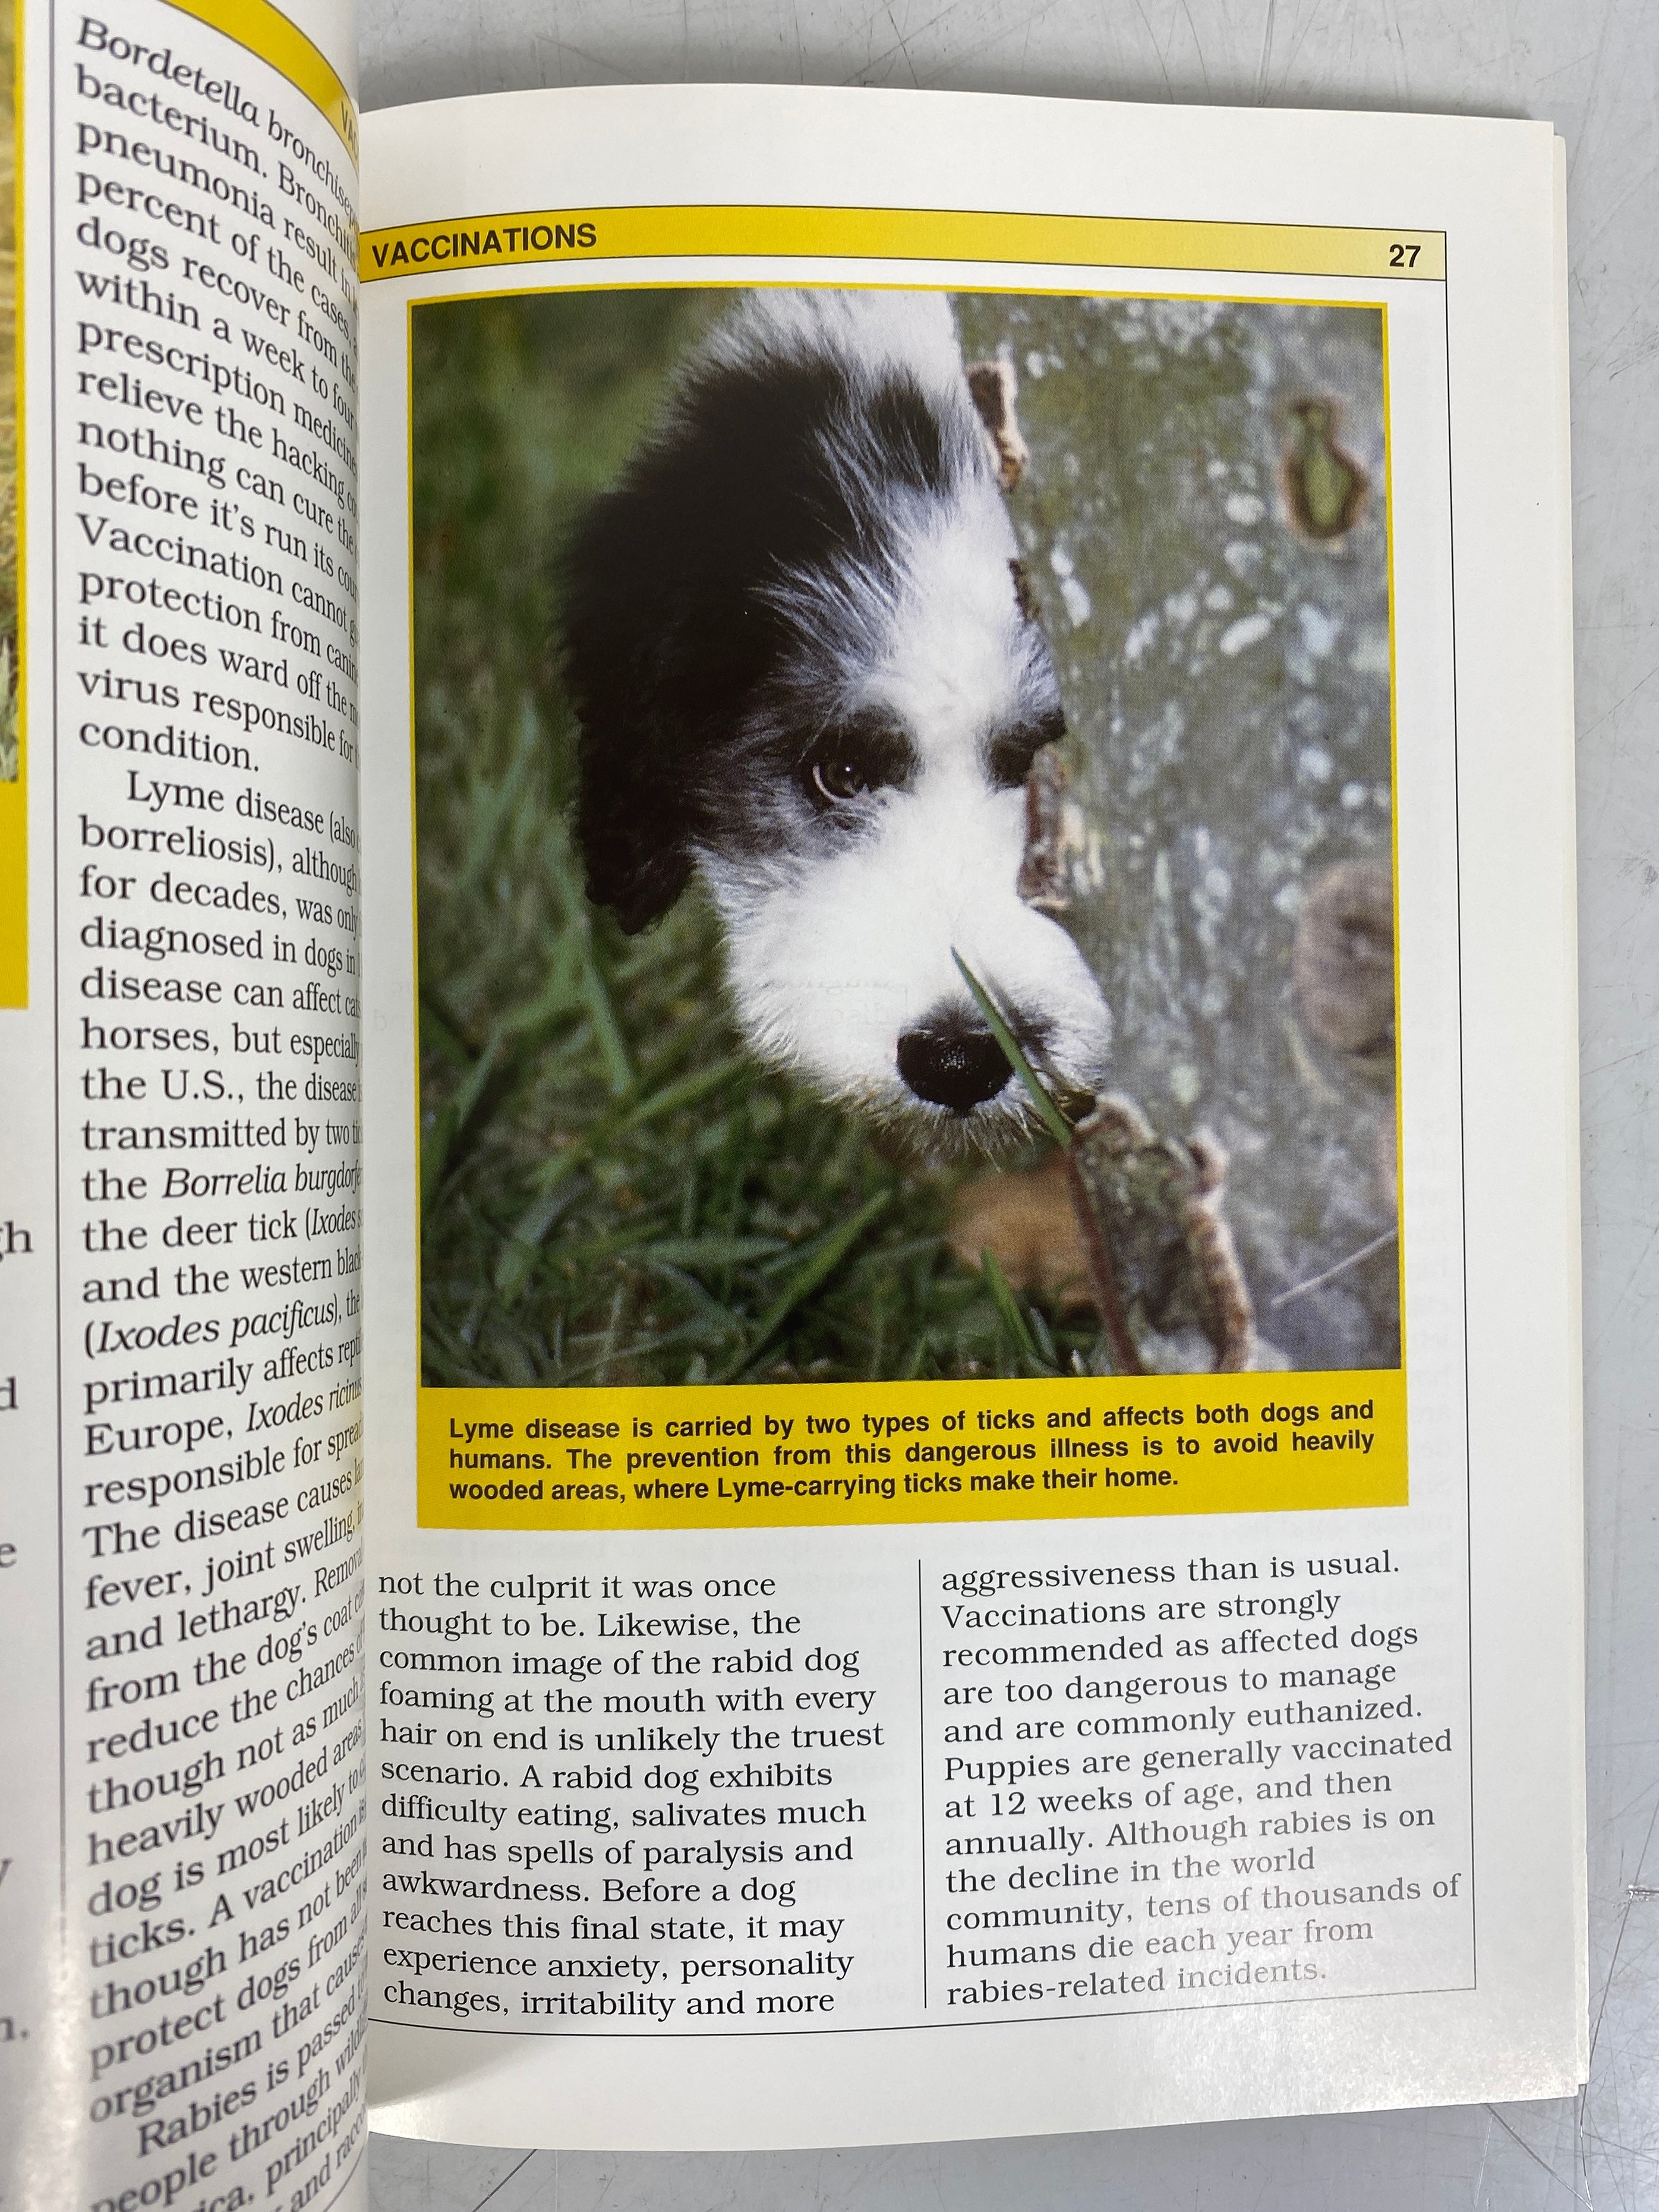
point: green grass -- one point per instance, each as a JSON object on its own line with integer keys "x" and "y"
{"x": 612, "y": 1192}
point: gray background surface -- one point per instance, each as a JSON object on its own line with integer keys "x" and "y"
{"x": 1592, "y": 68}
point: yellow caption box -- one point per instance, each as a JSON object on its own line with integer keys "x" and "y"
{"x": 844, "y": 1454}
{"x": 567, "y": 235}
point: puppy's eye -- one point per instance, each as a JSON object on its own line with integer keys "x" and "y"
{"x": 850, "y": 762}
{"x": 1012, "y": 751}
{"x": 840, "y": 776}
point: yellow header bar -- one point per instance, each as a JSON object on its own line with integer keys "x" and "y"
{"x": 266, "y": 31}
{"x": 567, "y": 235}
{"x": 834, "y": 1455}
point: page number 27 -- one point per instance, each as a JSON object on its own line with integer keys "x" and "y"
{"x": 1401, "y": 256}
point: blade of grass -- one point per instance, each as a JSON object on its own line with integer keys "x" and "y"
{"x": 439, "y": 1033}
{"x": 497, "y": 799}
{"x": 689, "y": 1190}
{"x": 523, "y": 1241}
{"x": 436, "y": 1146}
{"x": 561, "y": 995}
{"x": 607, "y": 1030}
{"x": 612, "y": 1327}
{"x": 715, "y": 1319}
{"x": 819, "y": 1263}
{"x": 1008, "y": 1307}
{"x": 1053, "y": 1120}
{"x": 658, "y": 1345}
{"x": 595, "y": 991}
{"x": 712, "y": 1252}
{"x": 686, "y": 1092}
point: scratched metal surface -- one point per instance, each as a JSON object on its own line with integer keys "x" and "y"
{"x": 1592, "y": 67}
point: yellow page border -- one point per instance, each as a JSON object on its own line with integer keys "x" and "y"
{"x": 277, "y": 41}
{"x": 14, "y": 796}
{"x": 896, "y": 234}
{"x": 1282, "y": 1474}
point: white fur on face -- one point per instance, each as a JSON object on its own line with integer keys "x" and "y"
{"x": 835, "y": 951}
{"x": 951, "y": 666}
{"x": 829, "y": 968}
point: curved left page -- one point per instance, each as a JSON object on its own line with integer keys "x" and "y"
{"x": 181, "y": 1847}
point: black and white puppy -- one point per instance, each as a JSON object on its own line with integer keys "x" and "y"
{"x": 806, "y": 665}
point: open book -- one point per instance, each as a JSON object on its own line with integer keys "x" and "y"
{"x": 789, "y": 1262}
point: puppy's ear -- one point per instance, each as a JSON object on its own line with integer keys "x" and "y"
{"x": 631, "y": 837}
{"x": 632, "y": 810}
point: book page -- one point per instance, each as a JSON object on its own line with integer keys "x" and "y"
{"x": 971, "y": 1337}
{"x": 182, "y": 1850}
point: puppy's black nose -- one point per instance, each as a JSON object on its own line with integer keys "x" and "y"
{"x": 951, "y": 1062}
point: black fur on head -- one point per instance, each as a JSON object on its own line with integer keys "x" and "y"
{"x": 681, "y": 654}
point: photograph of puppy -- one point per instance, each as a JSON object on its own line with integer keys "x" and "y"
{"x": 904, "y": 818}
{"x": 806, "y": 662}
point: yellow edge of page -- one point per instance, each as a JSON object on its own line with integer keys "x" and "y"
{"x": 13, "y": 795}
{"x": 816, "y": 1455}
{"x": 13, "y": 893}
{"x": 266, "y": 31}
{"x": 895, "y": 233}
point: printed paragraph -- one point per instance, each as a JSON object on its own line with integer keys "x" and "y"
{"x": 210, "y": 1114}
